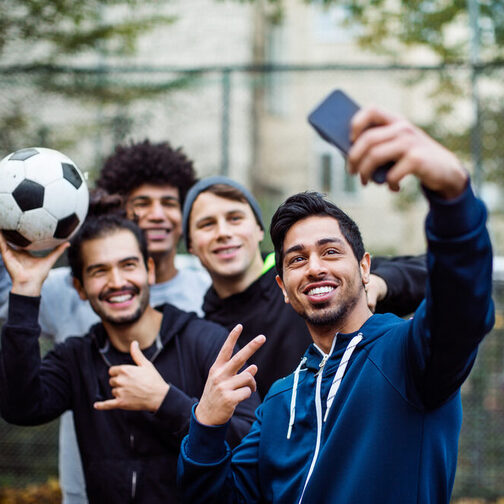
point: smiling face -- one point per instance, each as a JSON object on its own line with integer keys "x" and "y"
{"x": 157, "y": 211}
{"x": 115, "y": 278}
{"x": 322, "y": 279}
{"x": 225, "y": 236}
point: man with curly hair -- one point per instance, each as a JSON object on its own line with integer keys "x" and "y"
{"x": 153, "y": 179}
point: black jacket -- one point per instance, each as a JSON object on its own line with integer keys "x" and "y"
{"x": 262, "y": 310}
{"x": 128, "y": 456}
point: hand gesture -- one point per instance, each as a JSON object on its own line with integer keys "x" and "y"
{"x": 139, "y": 388}
{"x": 28, "y": 272}
{"x": 225, "y": 387}
{"x": 380, "y": 137}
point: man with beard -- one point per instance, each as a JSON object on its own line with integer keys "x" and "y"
{"x": 223, "y": 227}
{"x": 131, "y": 381}
{"x": 152, "y": 179}
{"x": 373, "y": 412}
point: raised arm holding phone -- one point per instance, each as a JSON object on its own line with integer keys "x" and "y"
{"x": 373, "y": 411}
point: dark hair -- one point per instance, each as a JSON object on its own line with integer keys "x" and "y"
{"x": 99, "y": 226}
{"x": 303, "y": 205}
{"x": 132, "y": 165}
{"x": 101, "y": 202}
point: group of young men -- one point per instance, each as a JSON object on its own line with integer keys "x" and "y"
{"x": 369, "y": 410}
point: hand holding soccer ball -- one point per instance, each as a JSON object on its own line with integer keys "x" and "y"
{"x": 43, "y": 198}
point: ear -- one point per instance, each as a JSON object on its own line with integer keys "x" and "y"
{"x": 365, "y": 268}
{"x": 281, "y": 285}
{"x": 151, "y": 271}
{"x": 261, "y": 234}
{"x": 80, "y": 289}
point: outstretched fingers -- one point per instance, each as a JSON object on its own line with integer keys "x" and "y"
{"x": 240, "y": 358}
{"x": 226, "y": 351}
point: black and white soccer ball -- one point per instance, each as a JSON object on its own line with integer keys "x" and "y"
{"x": 43, "y": 198}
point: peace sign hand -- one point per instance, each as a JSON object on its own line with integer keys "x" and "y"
{"x": 226, "y": 387}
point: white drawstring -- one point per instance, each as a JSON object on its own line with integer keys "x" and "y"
{"x": 341, "y": 371}
{"x": 293, "y": 397}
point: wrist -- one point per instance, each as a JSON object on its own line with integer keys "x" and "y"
{"x": 163, "y": 391}
{"x": 32, "y": 289}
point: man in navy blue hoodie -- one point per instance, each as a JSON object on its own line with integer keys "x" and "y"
{"x": 131, "y": 381}
{"x": 373, "y": 412}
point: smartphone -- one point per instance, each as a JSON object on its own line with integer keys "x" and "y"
{"x": 331, "y": 119}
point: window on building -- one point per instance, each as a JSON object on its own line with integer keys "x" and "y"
{"x": 333, "y": 179}
{"x": 276, "y": 82}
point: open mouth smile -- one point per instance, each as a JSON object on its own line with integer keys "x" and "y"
{"x": 227, "y": 251}
{"x": 157, "y": 233}
{"x": 119, "y": 297}
{"x": 320, "y": 291}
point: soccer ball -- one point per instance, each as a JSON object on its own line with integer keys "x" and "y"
{"x": 43, "y": 198}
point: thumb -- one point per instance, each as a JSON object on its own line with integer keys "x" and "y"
{"x": 55, "y": 254}
{"x": 137, "y": 355}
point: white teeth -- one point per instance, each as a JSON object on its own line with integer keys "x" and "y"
{"x": 320, "y": 290}
{"x": 120, "y": 299}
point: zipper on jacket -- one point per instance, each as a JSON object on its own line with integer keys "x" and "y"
{"x": 322, "y": 364}
{"x": 334, "y": 388}
{"x": 133, "y": 485}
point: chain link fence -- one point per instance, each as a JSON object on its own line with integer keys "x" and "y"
{"x": 250, "y": 123}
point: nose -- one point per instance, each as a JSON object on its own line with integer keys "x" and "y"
{"x": 316, "y": 266}
{"x": 156, "y": 211}
{"x": 115, "y": 279}
{"x": 223, "y": 229}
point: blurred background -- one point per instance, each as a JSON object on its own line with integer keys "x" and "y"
{"x": 232, "y": 83}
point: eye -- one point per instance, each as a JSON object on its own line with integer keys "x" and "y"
{"x": 97, "y": 272}
{"x": 205, "y": 224}
{"x": 294, "y": 260}
{"x": 171, "y": 203}
{"x": 141, "y": 204}
{"x": 129, "y": 265}
{"x": 235, "y": 218}
{"x": 332, "y": 251}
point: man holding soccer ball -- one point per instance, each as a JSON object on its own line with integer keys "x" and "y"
{"x": 153, "y": 179}
{"x": 131, "y": 381}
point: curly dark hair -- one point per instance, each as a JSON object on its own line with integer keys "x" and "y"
{"x": 135, "y": 164}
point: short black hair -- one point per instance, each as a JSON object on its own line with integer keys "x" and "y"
{"x": 135, "y": 164}
{"x": 307, "y": 204}
{"x": 99, "y": 226}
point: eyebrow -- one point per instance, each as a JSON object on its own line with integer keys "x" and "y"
{"x": 149, "y": 198}
{"x": 91, "y": 267}
{"x": 322, "y": 241}
{"x": 227, "y": 214}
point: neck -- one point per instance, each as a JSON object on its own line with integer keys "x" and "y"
{"x": 227, "y": 286}
{"x": 144, "y": 330}
{"x": 323, "y": 335}
{"x": 165, "y": 266}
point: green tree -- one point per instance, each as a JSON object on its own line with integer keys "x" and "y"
{"x": 58, "y": 48}
{"x": 443, "y": 28}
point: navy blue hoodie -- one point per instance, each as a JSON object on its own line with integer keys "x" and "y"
{"x": 128, "y": 456}
{"x": 376, "y": 420}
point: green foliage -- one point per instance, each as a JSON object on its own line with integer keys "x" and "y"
{"x": 67, "y": 27}
{"x": 46, "y": 493}
{"x": 39, "y": 39}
